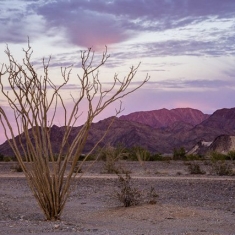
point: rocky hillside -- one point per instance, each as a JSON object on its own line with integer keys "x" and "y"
{"x": 163, "y": 135}
{"x": 221, "y": 144}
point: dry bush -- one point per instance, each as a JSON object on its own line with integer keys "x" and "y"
{"x": 111, "y": 156}
{"x": 17, "y": 168}
{"x": 195, "y": 169}
{"x": 7, "y": 159}
{"x": 127, "y": 194}
{"x": 221, "y": 168}
{"x": 152, "y": 196}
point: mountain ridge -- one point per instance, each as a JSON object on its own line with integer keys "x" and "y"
{"x": 161, "y": 138}
{"x": 163, "y": 117}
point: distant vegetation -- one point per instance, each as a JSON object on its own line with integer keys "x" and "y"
{"x": 110, "y": 155}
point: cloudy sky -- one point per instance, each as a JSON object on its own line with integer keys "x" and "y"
{"x": 186, "y": 46}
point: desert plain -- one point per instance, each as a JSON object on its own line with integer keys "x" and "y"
{"x": 185, "y": 204}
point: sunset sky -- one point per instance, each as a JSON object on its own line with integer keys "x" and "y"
{"x": 186, "y": 46}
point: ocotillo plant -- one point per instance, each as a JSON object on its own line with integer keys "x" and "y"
{"x": 34, "y": 100}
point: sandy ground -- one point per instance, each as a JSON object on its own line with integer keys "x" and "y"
{"x": 187, "y": 204}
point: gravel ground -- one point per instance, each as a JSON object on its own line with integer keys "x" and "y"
{"x": 186, "y": 204}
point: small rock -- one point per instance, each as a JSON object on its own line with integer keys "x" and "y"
{"x": 56, "y": 226}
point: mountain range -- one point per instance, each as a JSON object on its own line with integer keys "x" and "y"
{"x": 159, "y": 131}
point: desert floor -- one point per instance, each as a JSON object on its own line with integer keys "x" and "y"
{"x": 186, "y": 203}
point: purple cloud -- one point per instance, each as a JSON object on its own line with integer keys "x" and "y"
{"x": 83, "y": 26}
{"x": 194, "y": 86}
{"x": 99, "y": 22}
{"x": 88, "y": 23}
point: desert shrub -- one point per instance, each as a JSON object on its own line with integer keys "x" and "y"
{"x": 111, "y": 155}
{"x": 179, "y": 154}
{"x": 167, "y": 158}
{"x": 152, "y": 196}
{"x": 131, "y": 154}
{"x": 17, "y": 168}
{"x": 193, "y": 157}
{"x": 7, "y": 159}
{"x": 1, "y": 157}
{"x": 216, "y": 156}
{"x": 127, "y": 195}
{"x": 221, "y": 168}
{"x": 138, "y": 153}
{"x": 194, "y": 168}
{"x": 91, "y": 157}
{"x": 156, "y": 157}
{"x": 77, "y": 169}
{"x": 143, "y": 154}
{"x": 231, "y": 155}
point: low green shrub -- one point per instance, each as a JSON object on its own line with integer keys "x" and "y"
{"x": 156, "y": 157}
{"x": 231, "y": 155}
{"x": 138, "y": 153}
{"x": 194, "y": 157}
{"x": 216, "y": 156}
{"x": 179, "y": 154}
{"x": 7, "y": 159}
